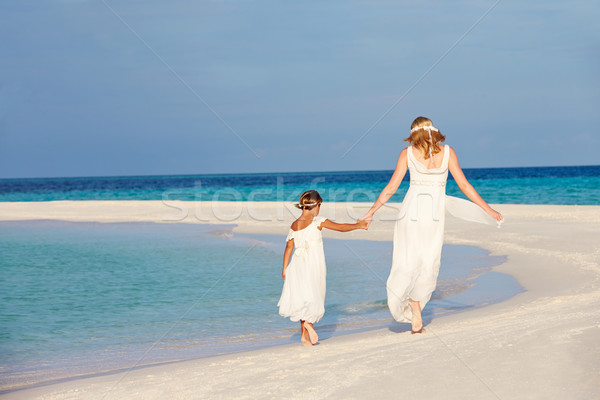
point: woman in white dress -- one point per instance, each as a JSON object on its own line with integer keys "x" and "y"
{"x": 419, "y": 230}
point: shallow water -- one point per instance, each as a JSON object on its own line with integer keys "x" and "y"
{"x": 82, "y": 298}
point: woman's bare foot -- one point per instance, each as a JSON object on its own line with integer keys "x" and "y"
{"x": 417, "y": 321}
{"x": 312, "y": 334}
{"x": 304, "y": 338}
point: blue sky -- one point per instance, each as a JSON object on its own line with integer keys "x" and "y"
{"x": 298, "y": 83}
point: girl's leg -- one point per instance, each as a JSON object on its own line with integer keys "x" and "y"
{"x": 312, "y": 334}
{"x": 417, "y": 321}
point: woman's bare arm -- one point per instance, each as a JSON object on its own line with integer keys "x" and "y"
{"x": 392, "y": 186}
{"x": 467, "y": 188}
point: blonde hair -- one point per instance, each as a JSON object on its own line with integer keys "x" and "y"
{"x": 309, "y": 200}
{"x": 419, "y": 138}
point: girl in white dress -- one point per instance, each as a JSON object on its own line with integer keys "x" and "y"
{"x": 419, "y": 230}
{"x": 303, "y": 295}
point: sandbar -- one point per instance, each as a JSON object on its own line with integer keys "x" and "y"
{"x": 541, "y": 344}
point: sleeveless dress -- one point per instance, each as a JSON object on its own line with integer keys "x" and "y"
{"x": 419, "y": 235}
{"x": 303, "y": 293}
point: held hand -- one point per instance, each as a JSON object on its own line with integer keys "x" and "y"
{"x": 362, "y": 224}
{"x": 368, "y": 218}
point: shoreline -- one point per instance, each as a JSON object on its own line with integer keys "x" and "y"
{"x": 465, "y": 282}
{"x": 541, "y": 343}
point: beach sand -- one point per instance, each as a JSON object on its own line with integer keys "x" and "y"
{"x": 541, "y": 344}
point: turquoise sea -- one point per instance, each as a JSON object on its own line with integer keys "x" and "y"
{"x": 528, "y": 185}
{"x": 87, "y": 298}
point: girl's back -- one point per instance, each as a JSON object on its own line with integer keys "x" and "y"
{"x": 303, "y": 294}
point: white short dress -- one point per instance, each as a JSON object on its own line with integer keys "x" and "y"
{"x": 303, "y": 294}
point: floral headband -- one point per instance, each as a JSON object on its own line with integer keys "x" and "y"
{"x": 308, "y": 205}
{"x": 427, "y": 128}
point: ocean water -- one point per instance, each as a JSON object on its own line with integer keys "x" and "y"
{"x": 85, "y": 298}
{"x": 534, "y": 185}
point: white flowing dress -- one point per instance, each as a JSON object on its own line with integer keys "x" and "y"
{"x": 419, "y": 235}
{"x": 303, "y": 294}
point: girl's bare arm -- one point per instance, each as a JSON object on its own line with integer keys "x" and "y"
{"x": 360, "y": 224}
{"x": 289, "y": 246}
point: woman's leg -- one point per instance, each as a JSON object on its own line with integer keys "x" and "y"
{"x": 312, "y": 334}
{"x": 304, "y": 338}
{"x": 417, "y": 321}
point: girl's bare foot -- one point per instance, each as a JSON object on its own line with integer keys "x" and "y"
{"x": 417, "y": 321}
{"x": 312, "y": 334}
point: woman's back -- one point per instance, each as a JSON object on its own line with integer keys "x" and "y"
{"x": 430, "y": 163}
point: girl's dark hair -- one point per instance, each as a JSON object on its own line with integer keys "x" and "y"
{"x": 309, "y": 200}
